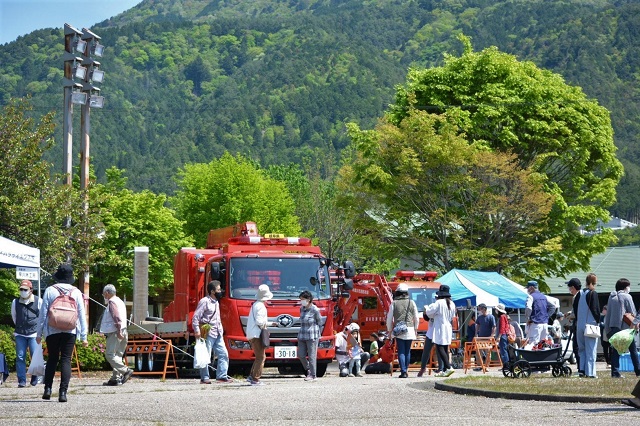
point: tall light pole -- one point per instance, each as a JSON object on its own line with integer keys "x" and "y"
{"x": 80, "y": 76}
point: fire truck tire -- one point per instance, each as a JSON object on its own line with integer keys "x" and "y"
{"x": 321, "y": 369}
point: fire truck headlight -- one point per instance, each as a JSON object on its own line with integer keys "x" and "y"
{"x": 325, "y": 344}
{"x": 239, "y": 344}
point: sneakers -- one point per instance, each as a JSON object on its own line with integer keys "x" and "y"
{"x": 310, "y": 378}
{"x": 449, "y": 372}
{"x": 350, "y": 375}
{"x": 225, "y": 379}
{"x": 22, "y": 384}
{"x": 250, "y": 379}
{"x": 205, "y": 382}
{"x": 126, "y": 376}
{"x": 358, "y": 375}
{"x": 404, "y": 375}
{"x": 112, "y": 382}
{"x": 440, "y": 374}
{"x": 256, "y": 383}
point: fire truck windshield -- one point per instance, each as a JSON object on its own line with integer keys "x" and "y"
{"x": 286, "y": 277}
{"x": 423, "y": 296}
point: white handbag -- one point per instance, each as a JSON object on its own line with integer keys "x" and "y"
{"x": 592, "y": 330}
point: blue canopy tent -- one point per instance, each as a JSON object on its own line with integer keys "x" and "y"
{"x": 464, "y": 292}
{"x": 504, "y": 291}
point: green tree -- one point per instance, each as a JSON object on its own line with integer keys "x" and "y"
{"x": 34, "y": 205}
{"x": 231, "y": 190}
{"x": 443, "y": 203}
{"x": 316, "y": 206}
{"x": 131, "y": 220}
{"x": 501, "y": 105}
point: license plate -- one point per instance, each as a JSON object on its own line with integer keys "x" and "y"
{"x": 285, "y": 352}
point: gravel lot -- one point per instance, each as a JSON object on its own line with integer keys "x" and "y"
{"x": 288, "y": 400}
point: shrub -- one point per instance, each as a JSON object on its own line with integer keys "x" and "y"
{"x": 8, "y": 346}
{"x": 92, "y": 357}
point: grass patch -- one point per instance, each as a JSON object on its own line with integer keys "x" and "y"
{"x": 545, "y": 384}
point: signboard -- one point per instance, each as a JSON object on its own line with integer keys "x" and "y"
{"x": 23, "y": 273}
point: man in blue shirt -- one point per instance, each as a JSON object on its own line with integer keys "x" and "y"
{"x": 485, "y": 326}
{"x": 537, "y": 313}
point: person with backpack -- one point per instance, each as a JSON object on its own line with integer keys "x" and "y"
{"x": 24, "y": 312}
{"x": 61, "y": 319}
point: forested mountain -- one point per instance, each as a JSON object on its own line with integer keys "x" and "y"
{"x": 277, "y": 80}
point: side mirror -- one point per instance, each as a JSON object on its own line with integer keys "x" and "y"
{"x": 349, "y": 270}
{"x": 348, "y": 284}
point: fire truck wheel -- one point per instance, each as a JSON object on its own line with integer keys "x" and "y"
{"x": 321, "y": 369}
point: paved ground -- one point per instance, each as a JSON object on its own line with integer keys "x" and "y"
{"x": 373, "y": 399}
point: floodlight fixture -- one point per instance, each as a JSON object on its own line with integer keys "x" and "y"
{"x": 78, "y": 98}
{"x": 98, "y": 49}
{"x": 80, "y": 72}
{"x": 97, "y": 75}
{"x": 81, "y": 45}
{"x": 96, "y": 101}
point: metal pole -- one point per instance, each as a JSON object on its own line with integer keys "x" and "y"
{"x": 85, "y": 126}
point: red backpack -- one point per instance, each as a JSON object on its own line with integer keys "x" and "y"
{"x": 63, "y": 311}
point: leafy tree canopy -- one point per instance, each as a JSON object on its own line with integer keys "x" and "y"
{"x": 231, "y": 190}
{"x": 491, "y": 102}
{"x": 133, "y": 220}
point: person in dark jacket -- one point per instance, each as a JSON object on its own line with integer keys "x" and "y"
{"x": 574, "y": 285}
{"x": 24, "y": 312}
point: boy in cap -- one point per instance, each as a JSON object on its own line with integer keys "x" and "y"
{"x": 24, "y": 312}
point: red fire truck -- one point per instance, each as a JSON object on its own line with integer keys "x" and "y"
{"x": 241, "y": 260}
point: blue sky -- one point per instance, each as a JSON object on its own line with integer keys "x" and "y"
{"x": 20, "y": 17}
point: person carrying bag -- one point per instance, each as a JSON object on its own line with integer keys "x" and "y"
{"x": 258, "y": 334}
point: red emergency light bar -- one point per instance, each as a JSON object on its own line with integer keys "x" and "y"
{"x": 408, "y": 275}
{"x": 285, "y": 241}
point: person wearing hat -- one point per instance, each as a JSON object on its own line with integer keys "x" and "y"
{"x": 537, "y": 314}
{"x": 258, "y": 320}
{"x": 442, "y": 311}
{"x": 402, "y": 320}
{"x": 24, "y": 312}
{"x": 60, "y": 343}
{"x": 503, "y": 332}
{"x": 358, "y": 357}
{"x": 208, "y": 312}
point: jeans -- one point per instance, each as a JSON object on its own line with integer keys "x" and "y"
{"x": 404, "y": 354}
{"x": 217, "y": 345}
{"x": 504, "y": 351}
{"x": 615, "y": 356}
{"x": 308, "y": 348}
{"x": 22, "y": 342}
{"x": 60, "y": 347}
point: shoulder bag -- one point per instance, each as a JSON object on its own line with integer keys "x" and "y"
{"x": 401, "y": 326}
{"x": 265, "y": 336}
{"x": 592, "y": 330}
